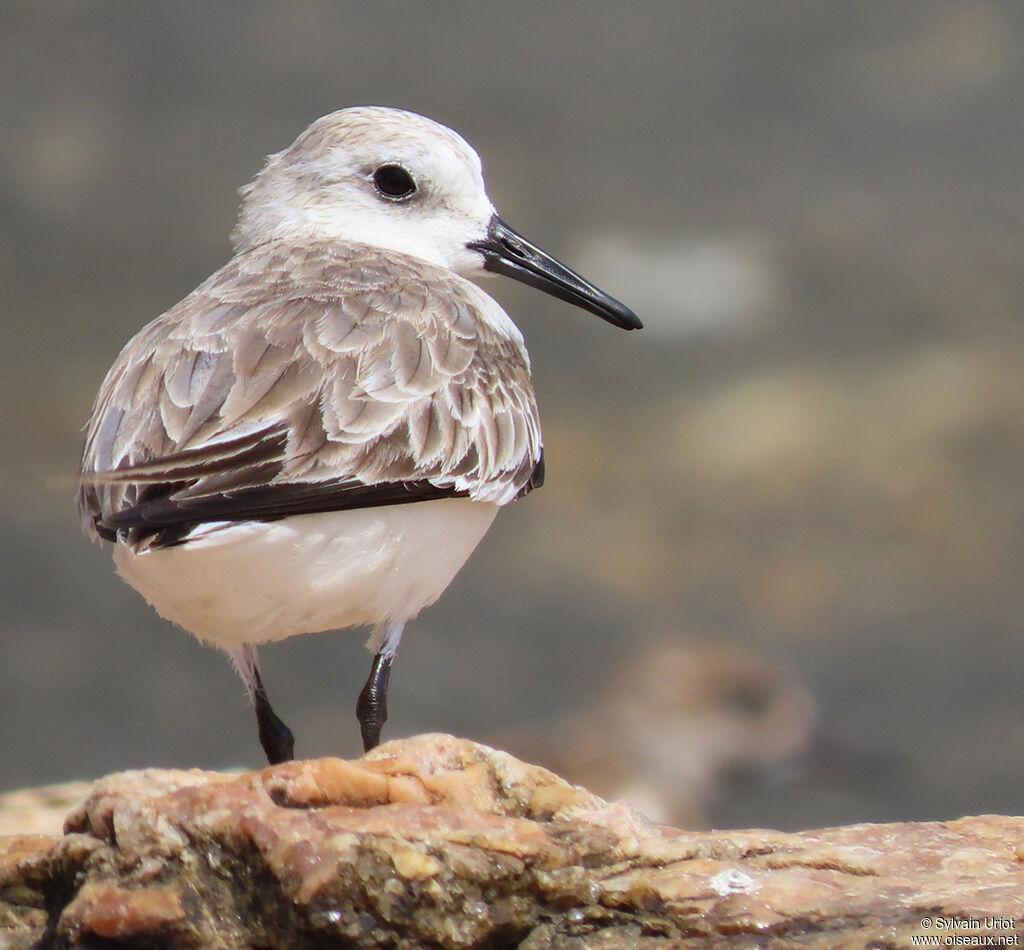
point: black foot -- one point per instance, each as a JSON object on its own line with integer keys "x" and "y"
{"x": 275, "y": 737}
{"x": 372, "y": 707}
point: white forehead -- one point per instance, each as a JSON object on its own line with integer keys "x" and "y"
{"x": 364, "y": 137}
{"x": 322, "y": 187}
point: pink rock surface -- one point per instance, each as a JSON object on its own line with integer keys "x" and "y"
{"x": 435, "y": 841}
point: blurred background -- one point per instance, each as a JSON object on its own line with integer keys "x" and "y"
{"x": 774, "y": 575}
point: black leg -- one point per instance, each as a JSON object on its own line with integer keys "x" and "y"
{"x": 275, "y": 737}
{"x": 372, "y": 708}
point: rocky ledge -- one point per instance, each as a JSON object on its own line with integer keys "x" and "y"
{"x": 440, "y": 842}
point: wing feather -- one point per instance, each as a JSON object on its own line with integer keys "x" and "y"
{"x": 309, "y": 375}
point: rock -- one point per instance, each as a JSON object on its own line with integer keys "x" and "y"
{"x": 39, "y": 811}
{"x": 440, "y": 842}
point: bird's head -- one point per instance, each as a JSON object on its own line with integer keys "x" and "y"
{"x": 400, "y": 181}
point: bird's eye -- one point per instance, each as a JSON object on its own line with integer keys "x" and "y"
{"x": 394, "y": 182}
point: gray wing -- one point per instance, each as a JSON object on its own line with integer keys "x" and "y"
{"x": 310, "y": 378}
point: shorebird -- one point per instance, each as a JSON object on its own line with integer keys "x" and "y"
{"x": 320, "y": 434}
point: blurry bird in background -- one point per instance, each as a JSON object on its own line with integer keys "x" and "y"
{"x": 674, "y": 723}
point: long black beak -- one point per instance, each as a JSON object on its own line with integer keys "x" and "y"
{"x": 507, "y": 252}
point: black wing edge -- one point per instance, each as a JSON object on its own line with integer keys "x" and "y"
{"x": 167, "y": 521}
{"x": 536, "y": 477}
{"x": 161, "y": 520}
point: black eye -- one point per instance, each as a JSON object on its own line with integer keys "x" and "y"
{"x": 394, "y": 182}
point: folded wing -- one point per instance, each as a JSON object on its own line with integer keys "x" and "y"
{"x": 309, "y": 378}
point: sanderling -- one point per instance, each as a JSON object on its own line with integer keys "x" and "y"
{"x": 320, "y": 434}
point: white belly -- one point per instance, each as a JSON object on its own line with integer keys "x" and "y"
{"x": 262, "y": 581}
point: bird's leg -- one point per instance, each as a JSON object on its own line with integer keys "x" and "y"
{"x": 372, "y": 707}
{"x": 275, "y": 737}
